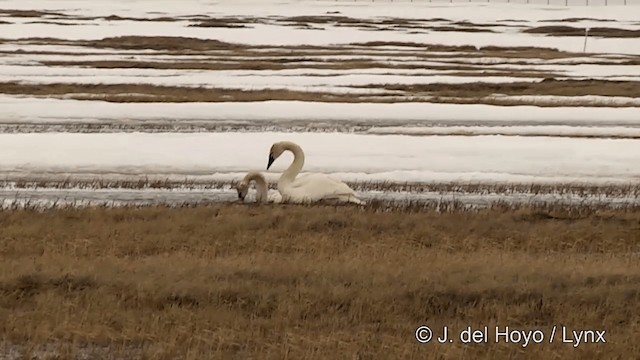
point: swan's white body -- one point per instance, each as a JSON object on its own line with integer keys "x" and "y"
{"x": 263, "y": 195}
{"x": 309, "y": 187}
{"x": 274, "y": 197}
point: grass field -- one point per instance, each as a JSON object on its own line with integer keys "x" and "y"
{"x": 260, "y": 282}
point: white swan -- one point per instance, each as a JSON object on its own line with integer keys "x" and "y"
{"x": 309, "y": 187}
{"x": 262, "y": 195}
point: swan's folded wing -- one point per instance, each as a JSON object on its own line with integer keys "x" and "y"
{"x": 319, "y": 180}
{"x": 318, "y": 186}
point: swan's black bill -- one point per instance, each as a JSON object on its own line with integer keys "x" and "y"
{"x": 271, "y": 160}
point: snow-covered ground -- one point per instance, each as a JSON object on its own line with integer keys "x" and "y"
{"x": 274, "y": 34}
{"x": 227, "y": 156}
{"x": 457, "y": 11}
{"x": 311, "y": 78}
{"x": 303, "y": 69}
{"x": 537, "y": 10}
{"x": 226, "y": 79}
{"x": 23, "y": 110}
{"x": 590, "y": 142}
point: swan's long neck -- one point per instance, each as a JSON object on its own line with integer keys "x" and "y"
{"x": 296, "y": 166}
{"x": 261, "y": 185}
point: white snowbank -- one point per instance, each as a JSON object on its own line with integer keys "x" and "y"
{"x": 348, "y": 156}
{"x": 27, "y": 109}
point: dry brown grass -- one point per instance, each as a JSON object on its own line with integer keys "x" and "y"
{"x": 238, "y": 282}
{"x": 410, "y": 44}
{"x": 456, "y": 29}
{"x": 27, "y": 13}
{"x": 226, "y": 22}
{"x": 296, "y": 21}
{"x": 160, "y": 43}
{"x": 329, "y": 19}
{"x": 51, "y": 23}
{"x": 280, "y": 64}
{"x": 524, "y": 52}
{"x": 436, "y": 92}
{"x": 470, "y": 24}
{"x": 544, "y": 87}
{"x": 152, "y": 93}
{"x": 59, "y": 15}
{"x": 229, "y": 56}
{"x": 527, "y": 52}
{"x": 256, "y": 56}
{"x": 381, "y": 24}
{"x": 175, "y": 44}
{"x": 577, "y": 19}
{"x": 127, "y": 18}
{"x": 605, "y": 32}
{"x": 479, "y": 93}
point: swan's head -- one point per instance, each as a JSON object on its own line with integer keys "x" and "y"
{"x": 242, "y": 189}
{"x": 276, "y": 150}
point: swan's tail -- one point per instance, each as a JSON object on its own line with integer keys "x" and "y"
{"x": 355, "y": 200}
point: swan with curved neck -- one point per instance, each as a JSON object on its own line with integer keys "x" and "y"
{"x": 262, "y": 192}
{"x": 309, "y": 187}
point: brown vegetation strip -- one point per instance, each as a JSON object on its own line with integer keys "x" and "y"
{"x": 275, "y": 64}
{"x": 595, "y": 31}
{"x": 259, "y": 64}
{"x": 296, "y": 21}
{"x": 238, "y": 282}
{"x": 161, "y": 43}
{"x": 544, "y": 87}
{"x": 27, "y": 13}
{"x": 385, "y": 23}
{"x": 59, "y": 16}
{"x": 184, "y": 43}
{"x": 152, "y": 93}
{"x": 217, "y": 23}
{"x": 194, "y": 45}
{"x": 127, "y": 18}
{"x": 438, "y": 92}
{"x": 455, "y": 29}
{"x": 51, "y": 23}
{"x": 578, "y": 19}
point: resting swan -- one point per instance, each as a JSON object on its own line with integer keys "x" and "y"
{"x": 262, "y": 195}
{"x": 310, "y": 187}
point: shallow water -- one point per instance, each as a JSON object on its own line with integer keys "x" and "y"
{"x": 47, "y": 198}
